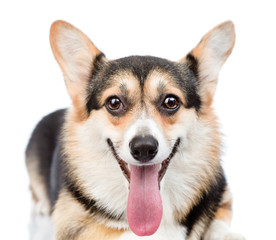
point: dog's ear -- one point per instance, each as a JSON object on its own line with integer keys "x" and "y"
{"x": 207, "y": 58}
{"x": 76, "y": 56}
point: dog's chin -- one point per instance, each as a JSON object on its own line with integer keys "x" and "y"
{"x": 163, "y": 166}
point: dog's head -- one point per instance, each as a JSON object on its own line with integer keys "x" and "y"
{"x": 139, "y": 112}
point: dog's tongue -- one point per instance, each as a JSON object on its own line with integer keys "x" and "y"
{"x": 144, "y": 207}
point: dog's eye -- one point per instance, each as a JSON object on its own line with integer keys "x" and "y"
{"x": 171, "y": 103}
{"x": 114, "y": 103}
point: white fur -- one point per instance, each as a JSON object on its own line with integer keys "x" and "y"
{"x": 103, "y": 179}
{"x": 218, "y": 230}
{"x": 217, "y": 48}
{"x": 76, "y": 53}
{"x": 144, "y": 126}
{"x": 41, "y": 227}
{"x": 96, "y": 167}
{"x": 171, "y": 231}
{"x": 98, "y": 172}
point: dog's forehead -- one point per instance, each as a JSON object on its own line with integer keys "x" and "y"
{"x": 138, "y": 76}
{"x": 140, "y": 67}
{"x": 143, "y": 77}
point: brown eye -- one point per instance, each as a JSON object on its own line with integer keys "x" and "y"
{"x": 171, "y": 103}
{"x": 114, "y": 104}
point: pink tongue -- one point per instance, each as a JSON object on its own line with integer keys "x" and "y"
{"x": 144, "y": 207}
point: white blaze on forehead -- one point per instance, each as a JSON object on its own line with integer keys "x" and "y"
{"x": 155, "y": 79}
{"x": 144, "y": 126}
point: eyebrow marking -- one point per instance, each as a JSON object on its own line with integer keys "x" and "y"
{"x": 183, "y": 75}
{"x": 161, "y": 88}
{"x": 123, "y": 88}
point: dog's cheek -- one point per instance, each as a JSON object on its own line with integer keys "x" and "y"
{"x": 102, "y": 126}
{"x": 183, "y": 123}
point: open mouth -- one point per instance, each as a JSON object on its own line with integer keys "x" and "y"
{"x": 164, "y": 165}
{"x": 144, "y": 206}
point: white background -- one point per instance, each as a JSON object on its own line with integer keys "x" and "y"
{"x": 31, "y": 86}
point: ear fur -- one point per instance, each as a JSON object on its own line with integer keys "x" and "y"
{"x": 75, "y": 54}
{"x": 209, "y": 55}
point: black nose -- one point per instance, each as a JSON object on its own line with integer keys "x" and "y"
{"x": 143, "y": 148}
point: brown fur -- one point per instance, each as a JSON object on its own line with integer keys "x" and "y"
{"x": 71, "y": 220}
{"x": 76, "y": 89}
{"x": 224, "y": 212}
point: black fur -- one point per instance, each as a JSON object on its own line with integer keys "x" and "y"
{"x": 193, "y": 99}
{"x": 87, "y": 202}
{"x": 74, "y": 232}
{"x": 45, "y": 147}
{"x": 95, "y": 85}
{"x": 207, "y": 205}
{"x": 97, "y": 65}
{"x": 140, "y": 66}
{"x": 193, "y": 63}
{"x": 56, "y": 181}
{"x": 42, "y": 146}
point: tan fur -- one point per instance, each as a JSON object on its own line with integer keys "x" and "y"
{"x": 72, "y": 221}
{"x": 84, "y": 135}
{"x": 224, "y": 213}
{"x": 127, "y": 80}
{"x": 157, "y": 78}
{"x": 201, "y": 49}
{"x": 79, "y": 112}
{"x": 62, "y": 38}
{"x": 154, "y": 80}
{"x": 55, "y": 31}
{"x": 209, "y": 64}
{"x": 208, "y": 119}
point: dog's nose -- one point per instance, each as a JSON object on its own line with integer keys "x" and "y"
{"x": 143, "y": 148}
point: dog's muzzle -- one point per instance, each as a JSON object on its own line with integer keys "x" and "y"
{"x": 146, "y": 152}
{"x": 144, "y": 206}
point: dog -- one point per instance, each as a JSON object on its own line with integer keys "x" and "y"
{"x": 137, "y": 156}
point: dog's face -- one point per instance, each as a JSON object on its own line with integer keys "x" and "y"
{"x": 145, "y": 102}
{"x": 147, "y": 115}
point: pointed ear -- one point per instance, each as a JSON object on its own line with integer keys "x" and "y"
{"x": 207, "y": 58}
{"x": 76, "y": 56}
